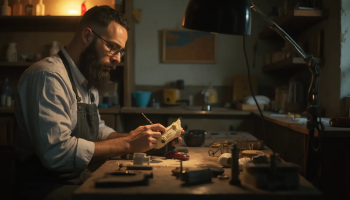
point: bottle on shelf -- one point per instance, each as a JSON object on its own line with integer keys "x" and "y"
{"x": 17, "y": 8}
{"x": 54, "y": 48}
{"x": 40, "y": 9}
{"x": 83, "y": 8}
{"x": 11, "y": 53}
{"x": 28, "y": 9}
{"x": 213, "y": 97}
{"x": 6, "y": 9}
{"x": 6, "y": 93}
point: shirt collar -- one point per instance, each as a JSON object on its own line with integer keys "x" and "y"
{"x": 75, "y": 70}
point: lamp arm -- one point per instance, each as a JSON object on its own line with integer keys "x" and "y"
{"x": 281, "y": 32}
{"x": 314, "y": 109}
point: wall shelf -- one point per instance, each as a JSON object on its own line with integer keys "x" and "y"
{"x": 295, "y": 22}
{"x": 39, "y": 23}
{"x": 289, "y": 63}
{"x": 27, "y": 64}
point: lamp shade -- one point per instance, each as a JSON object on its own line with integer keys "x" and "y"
{"x": 219, "y": 16}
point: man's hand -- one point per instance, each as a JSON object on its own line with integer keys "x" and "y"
{"x": 144, "y": 137}
{"x": 179, "y": 138}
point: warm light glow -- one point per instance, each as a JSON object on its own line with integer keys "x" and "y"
{"x": 69, "y": 7}
{"x": 73, "y": 12}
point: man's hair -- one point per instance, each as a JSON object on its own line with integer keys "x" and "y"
{"x": 102, "y": 16}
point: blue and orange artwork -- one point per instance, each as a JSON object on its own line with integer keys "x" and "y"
{"x": 181, "y": 46}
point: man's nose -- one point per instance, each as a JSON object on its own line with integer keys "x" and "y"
{"x": 115, "y": 58}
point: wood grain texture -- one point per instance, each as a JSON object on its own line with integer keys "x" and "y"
{"x": 164, "y": 185}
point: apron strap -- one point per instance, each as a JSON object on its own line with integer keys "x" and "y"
{"x": 66, "y": 65}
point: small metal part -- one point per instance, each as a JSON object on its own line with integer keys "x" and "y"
{"x": 139, "y": 167}
{"x": 123, "y": 173}
{"x": 181, "y": 167}
{"x": 193, "y": 177}
{"x": 120, "y": 166}
{"x": 177, "y": 171}
{"x": 223, "y": 176}
{"x": 215, "y": 170}
{"x": 235, "y": 166}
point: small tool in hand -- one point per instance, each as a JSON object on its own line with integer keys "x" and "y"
{"x": 176, "y": 139}
{"x": 147, "y": 118}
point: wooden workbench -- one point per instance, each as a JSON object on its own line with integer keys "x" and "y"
{"x": 289, "y": 139}
{"x": 164, "y": 185}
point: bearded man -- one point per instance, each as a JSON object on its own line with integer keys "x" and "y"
{"x": 61, "y": 133}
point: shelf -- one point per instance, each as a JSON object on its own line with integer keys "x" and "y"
{"x": 188, "y": 110}
{"x": 295, "y": 22}
{"x": 27, "y": 64}
{"x": 289, "y": 63}
{"x": 39, "y": 23}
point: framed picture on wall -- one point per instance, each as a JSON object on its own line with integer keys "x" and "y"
{"x": 186, "y": 46}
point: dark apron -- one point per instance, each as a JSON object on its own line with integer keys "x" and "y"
{"x": 33, "y": 174}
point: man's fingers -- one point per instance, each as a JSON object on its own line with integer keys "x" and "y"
{"x": 156, "y": 127}
{"x": 152, "y": 140}
{"x": 180, "y": 139}
{"x": 154, "y": 134}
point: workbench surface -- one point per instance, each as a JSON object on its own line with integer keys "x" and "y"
{"x": 164, "y": 185}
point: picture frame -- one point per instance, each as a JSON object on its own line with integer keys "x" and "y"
{"x": 187, "y": 46}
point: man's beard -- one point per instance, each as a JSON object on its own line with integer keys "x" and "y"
{"x": 92, "y": 68}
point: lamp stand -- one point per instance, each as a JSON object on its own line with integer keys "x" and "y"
{"x": 314, "y": 110}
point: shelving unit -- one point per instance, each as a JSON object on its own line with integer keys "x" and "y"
{"x": 288, "y": 64}
{"x": 69, "y": 24}
{"x": 295, "y": 22}
{"x": 23, "y": 64}
{"x": 39, "y": 23}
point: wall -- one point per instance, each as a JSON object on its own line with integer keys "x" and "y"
{"x": 159, "y": 14}
{"x": 345, "y": 56}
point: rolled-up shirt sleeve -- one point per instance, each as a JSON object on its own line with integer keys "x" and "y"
{"x": 49, "y": 124}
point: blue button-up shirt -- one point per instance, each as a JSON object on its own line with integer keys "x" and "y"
{"x": 46, "y": 113}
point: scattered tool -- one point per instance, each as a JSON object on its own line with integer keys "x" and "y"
{"x": 199, "y": 176}
{"x": 177, "y": 155}
{"x": 123, "y": 181}
{"x": 139, "y": 167}
{"x": 216, "y": 171}
{"x": 235, "y": 166}
{"x": 193, "y": 177}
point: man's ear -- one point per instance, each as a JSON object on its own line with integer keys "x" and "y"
{"x": 86, "y": 36}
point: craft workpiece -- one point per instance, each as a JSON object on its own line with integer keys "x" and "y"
{"x": 171, "y": 132}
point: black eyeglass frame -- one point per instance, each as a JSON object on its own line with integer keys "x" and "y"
{"x": 112, "y": 48}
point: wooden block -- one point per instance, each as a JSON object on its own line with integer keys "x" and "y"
{"x": 242, "y": 106}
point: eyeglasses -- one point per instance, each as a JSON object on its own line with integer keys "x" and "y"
{"x": 114, "y": 50}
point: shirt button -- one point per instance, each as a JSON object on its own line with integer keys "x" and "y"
{"x": 79, "y": 108}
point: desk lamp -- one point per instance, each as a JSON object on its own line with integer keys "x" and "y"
{"x": 234, "y": 17}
